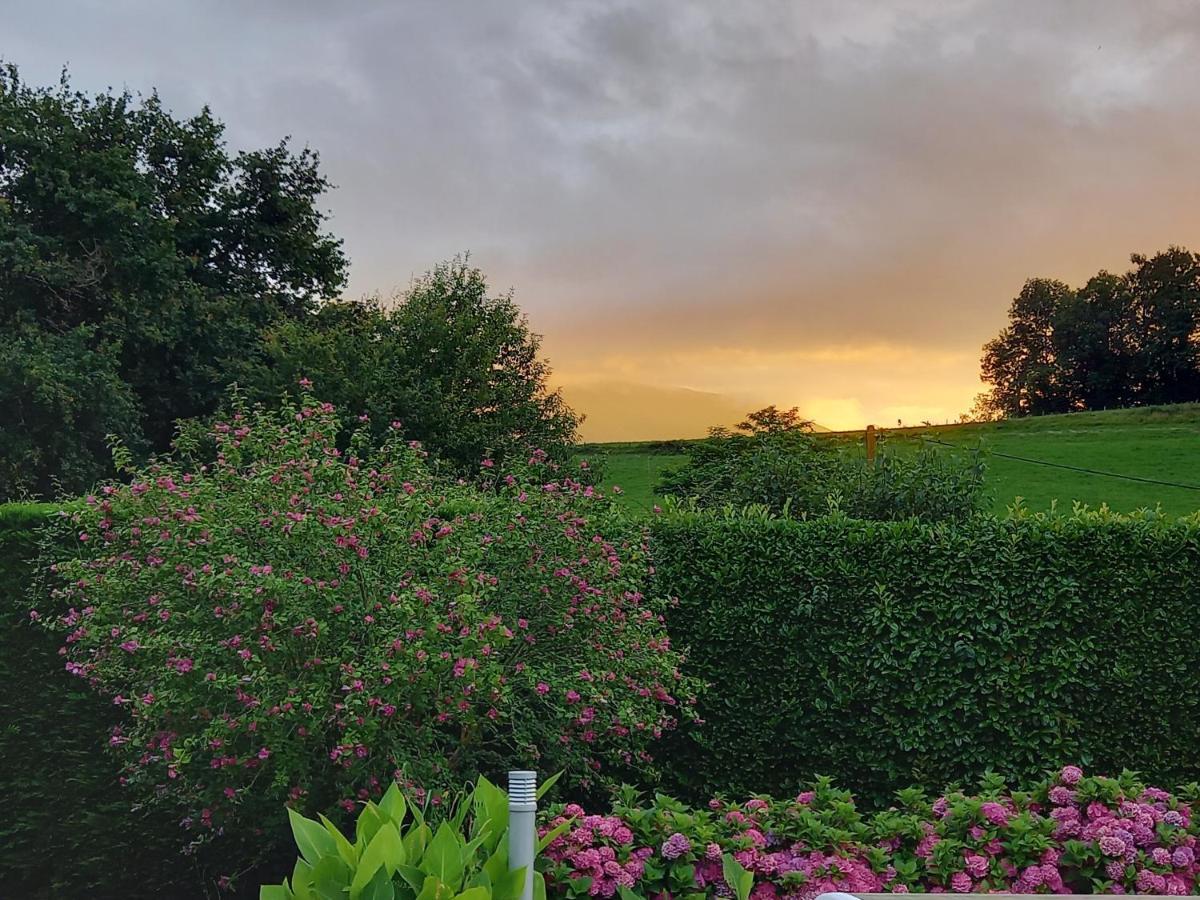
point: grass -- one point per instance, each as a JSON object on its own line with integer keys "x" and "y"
{"x": 1161, "y": 443}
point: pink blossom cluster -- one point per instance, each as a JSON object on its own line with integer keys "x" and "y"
{"x": 1069, "y": 834}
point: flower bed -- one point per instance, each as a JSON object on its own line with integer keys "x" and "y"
{"x": 1068, "y": 834}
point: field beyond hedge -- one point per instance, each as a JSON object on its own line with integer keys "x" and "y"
{"x": 1159, "y": 442}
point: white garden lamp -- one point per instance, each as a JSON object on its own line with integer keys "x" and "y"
{"x": 522, "y": 826}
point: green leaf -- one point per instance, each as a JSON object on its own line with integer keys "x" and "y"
{"x": 379, "y": 887}
{"x": 385, "y": 851}
{"x": 444, "y": 857}
{"x": 546, "y": 785}
{"x": 274, "y": 892}
{"x": 413, "y": 876}
{"x": 431, "y": 888}
{"x": 393, "y": 804}
{"x": 475, "y": 893}
{"x": 740, "y": 880}
{"x": 415, "y": 843}
{"x": 312, "y": 839}
{"x": 539, "y": 886}
{"x": 627, "y": 894}
{"x": 331, "y": 877}
{"x": 509, "y": 885}
{"x": 491, "y": 809}
{"x": 497, "y": 864}
{"x": 554, "y": 832}
{"x": 302, "y": 880}
{"x": 369, "y": 822}
{"x": 344, "y": 848}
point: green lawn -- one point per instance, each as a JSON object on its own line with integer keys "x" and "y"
{"x": 1162, "y": 443}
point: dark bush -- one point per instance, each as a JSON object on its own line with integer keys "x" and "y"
{"x": 784, "y": 467}
{"x": 68, "y": 829}
{"x": 885, "y": 654}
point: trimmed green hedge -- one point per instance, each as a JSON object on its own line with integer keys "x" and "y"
{"x": 66, "y": 829}
{"x": 891, "y": 653}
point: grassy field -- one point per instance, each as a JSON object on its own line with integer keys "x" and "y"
{"x": 1162, "y": 443}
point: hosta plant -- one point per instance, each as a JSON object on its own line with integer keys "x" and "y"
{"x": 397, "y": 854}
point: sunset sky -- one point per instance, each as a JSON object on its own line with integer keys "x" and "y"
{"x": 705, "y": 207}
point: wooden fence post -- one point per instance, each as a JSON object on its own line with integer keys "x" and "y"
{"x": 871, "y": 445}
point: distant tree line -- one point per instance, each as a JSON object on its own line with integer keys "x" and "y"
{"x": 1120, "y": 340}
{"x": 144, "y": 269}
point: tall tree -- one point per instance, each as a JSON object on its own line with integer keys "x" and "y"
{"x": 1021, "y": 363}
{"x": 1166, "y": 325}
{"x": 142, "y": 229}
{"x": 1093, "y": 348}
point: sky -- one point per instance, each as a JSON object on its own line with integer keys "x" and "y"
{"x": 704, "y": 207}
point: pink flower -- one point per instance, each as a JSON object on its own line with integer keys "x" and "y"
{"x": 1070, "y": 775}
{"x": 543, "y": 688}
{"x": 961, "y": 882}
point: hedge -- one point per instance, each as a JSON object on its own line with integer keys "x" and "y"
{"x": 67, "y": 828}
{"x": 886, "y": 654}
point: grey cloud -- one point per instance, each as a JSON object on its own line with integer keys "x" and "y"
{"x": 763, "y": 173}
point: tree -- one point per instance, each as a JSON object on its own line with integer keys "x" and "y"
{"x": 1165, "y": 290}
{"x": 141, "y": 228}
{"x": 458, "y": 367}
{"x": 1119, "y": 340}
{"x": 62, "y": 397}
{"x": 1021, "y": 363}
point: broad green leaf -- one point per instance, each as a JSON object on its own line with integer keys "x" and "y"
{"x": 444, "y": 857}
{"x": 385, "y": 851}
{"x": 738, "y": 878}
{"x": 344, "y": 848}
{"x": 311, "y": 837}
{"x": 497, "y": 864}
{"x": 627, "y": 894}
{"x": 274, "y": 892}
{"x": 369, "y": 822}
{"x": 393, "y": 804}
{"x": 491, "y": 808}
{"x": 379, "y": 887}
{"x": 331, "y": 877}
{"x": 546, "y": 785}
{"x": 431, "y": 889}
{"x": 539, "y": 886}
{"x": 509, "y": 885}
{"x": 414, "y": 877}
{"x": 302, "y": 880}
{"x": 415, "y": 843}
{"x": 475, "y": 893}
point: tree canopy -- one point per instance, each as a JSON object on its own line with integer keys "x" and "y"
{"x": 145, "y": 268}
{"x": 1120, "y": 340}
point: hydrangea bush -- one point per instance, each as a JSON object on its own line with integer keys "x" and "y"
{"x": 1069, "y": 834}
{"x": 295, "y": 622}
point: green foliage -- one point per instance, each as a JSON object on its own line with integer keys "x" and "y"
{"x": 780, "y": 465}
{"x": 140, "y": 261}
{"x": 1120, "y": 340}
{"x": 887, "y": 654}
{"x": 63, "y": 397}
{"x": 68, "y": 826}
{"x": 296, "y": 622}
{"x": 458, "y": 367}
{"x": 397, "y": 856}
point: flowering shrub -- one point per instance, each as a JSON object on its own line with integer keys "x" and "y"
{"x": 295, "y": 622}
{"x": 1069, "y": 834}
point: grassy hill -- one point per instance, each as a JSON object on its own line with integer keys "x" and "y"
{"x": 1159, "y": 442}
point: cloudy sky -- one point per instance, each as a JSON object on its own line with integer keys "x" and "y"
{"x": 704, "y": 206}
